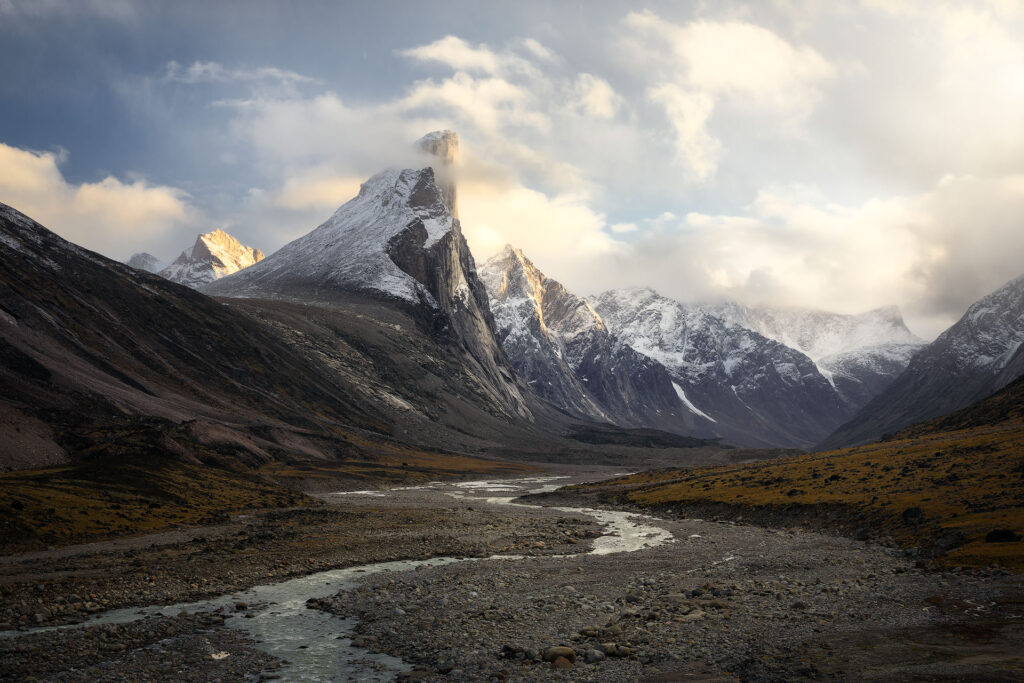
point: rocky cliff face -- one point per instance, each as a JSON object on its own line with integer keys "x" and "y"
{"x": 214, "y": 255}
{"x": 443, "y": 148}
{"x": 859, "y": 354}
{"x": 400, "y": 240}
{"x": 971, "y": 360}
{"x": 558, "y": 343}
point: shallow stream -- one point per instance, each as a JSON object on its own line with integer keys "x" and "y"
{"x": 316, "y": 644}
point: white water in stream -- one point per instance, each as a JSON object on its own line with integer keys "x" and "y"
{"x": 315, "y": 643}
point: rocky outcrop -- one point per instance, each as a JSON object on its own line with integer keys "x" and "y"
{"x": 442, "y": 147}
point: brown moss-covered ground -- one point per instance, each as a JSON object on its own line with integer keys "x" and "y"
{"x": 942, "y": 486}
{"x": 106, "y": 497}
{"x": 392, "y": 464}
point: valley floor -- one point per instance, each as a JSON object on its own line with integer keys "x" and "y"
{"x": 719, "y": 601}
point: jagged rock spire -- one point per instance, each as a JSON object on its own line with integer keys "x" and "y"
{"x": 444, "y": 145}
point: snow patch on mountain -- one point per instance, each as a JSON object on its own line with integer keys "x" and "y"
{"x": 689, "y": 404}
{"x": 846, "y": 345}
{"x": 968, "y": 362}
{"x": 758, "y": 390}
{"x": 990, "y": 332}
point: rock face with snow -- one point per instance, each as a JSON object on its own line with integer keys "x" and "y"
{"x": 560, "y": 345}
{"x": 756, "y": 390}
{"x": 144, "y": 261}
{"x": 974, "y": 358}
{"x": 214, "y": 255}
{"x": 398, "y": 239}
{"x": 859, "y": 354}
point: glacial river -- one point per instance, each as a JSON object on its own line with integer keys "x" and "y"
{"x": 315, "y": 644}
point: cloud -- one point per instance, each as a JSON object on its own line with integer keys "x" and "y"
{"x": 486, "y": 104}
{"x": 109, "y": 216}
{"x": 739, "y": 60}
{"x": 932, "y": 254}
{"x": 116, "y": 10}
{"x": 458, "y": 54}
{"x": 317, "y": 189}
{"x": 702, "y": 66}
{"x": 214, "y": 72}
{"x": 689, "y": 112}
{"x": 560, "y": 233}
{"x": 595, "y": 97}
{"x": 536, "y": 49}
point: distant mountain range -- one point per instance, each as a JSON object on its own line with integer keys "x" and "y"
{"x": 980, "y": 354}
{"x": 379, "y": 320}
{"x": 213, "y": 255}
{"x": 560, "y": 345}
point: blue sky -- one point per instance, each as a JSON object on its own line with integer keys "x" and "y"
{"x": 834, "y": 155}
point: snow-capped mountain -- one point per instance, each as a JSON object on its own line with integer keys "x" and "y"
{"x": 558, "y": 343}
{"x": 974, "y": 358}
{"x": 214, "y": 255}
{"x": 756, "y": 390}
{"x": 398, "y": 239}
{"x": 145, "y": 261}
{"x": 859, "y": 354}
{"x": 396, "y": 211}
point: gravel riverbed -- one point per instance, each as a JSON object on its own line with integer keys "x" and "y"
{"x": 719, "y": 601}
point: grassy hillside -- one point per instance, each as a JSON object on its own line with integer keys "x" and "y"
{"x": 944, "y": 485}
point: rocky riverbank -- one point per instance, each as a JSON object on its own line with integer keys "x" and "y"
{"x": 719, "y": 601}
{"x": 69, "y": 585}
{"x": 38, "y": 589}
{"x": 183, "y": 648}
{"x": 723, "y": 602}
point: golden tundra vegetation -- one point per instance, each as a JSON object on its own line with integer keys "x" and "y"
{"x": 104, "y": 497}
{"x": 943, "y": 484}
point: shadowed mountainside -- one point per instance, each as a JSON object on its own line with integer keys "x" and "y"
{"x": 971, "y": 360}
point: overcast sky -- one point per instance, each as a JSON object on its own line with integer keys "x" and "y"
{"x": 841, "y": 156}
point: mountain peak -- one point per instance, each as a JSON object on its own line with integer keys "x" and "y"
{"x": 355, "y": 249}
{"x": 213, "y": 255}
{"x": 144, "y": 261}
{"x": 444, "y": 146}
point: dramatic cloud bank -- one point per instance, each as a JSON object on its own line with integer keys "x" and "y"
{"x": 835, "y": 155}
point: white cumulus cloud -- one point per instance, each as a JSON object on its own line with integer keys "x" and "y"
{"x": 111, "y": 216}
